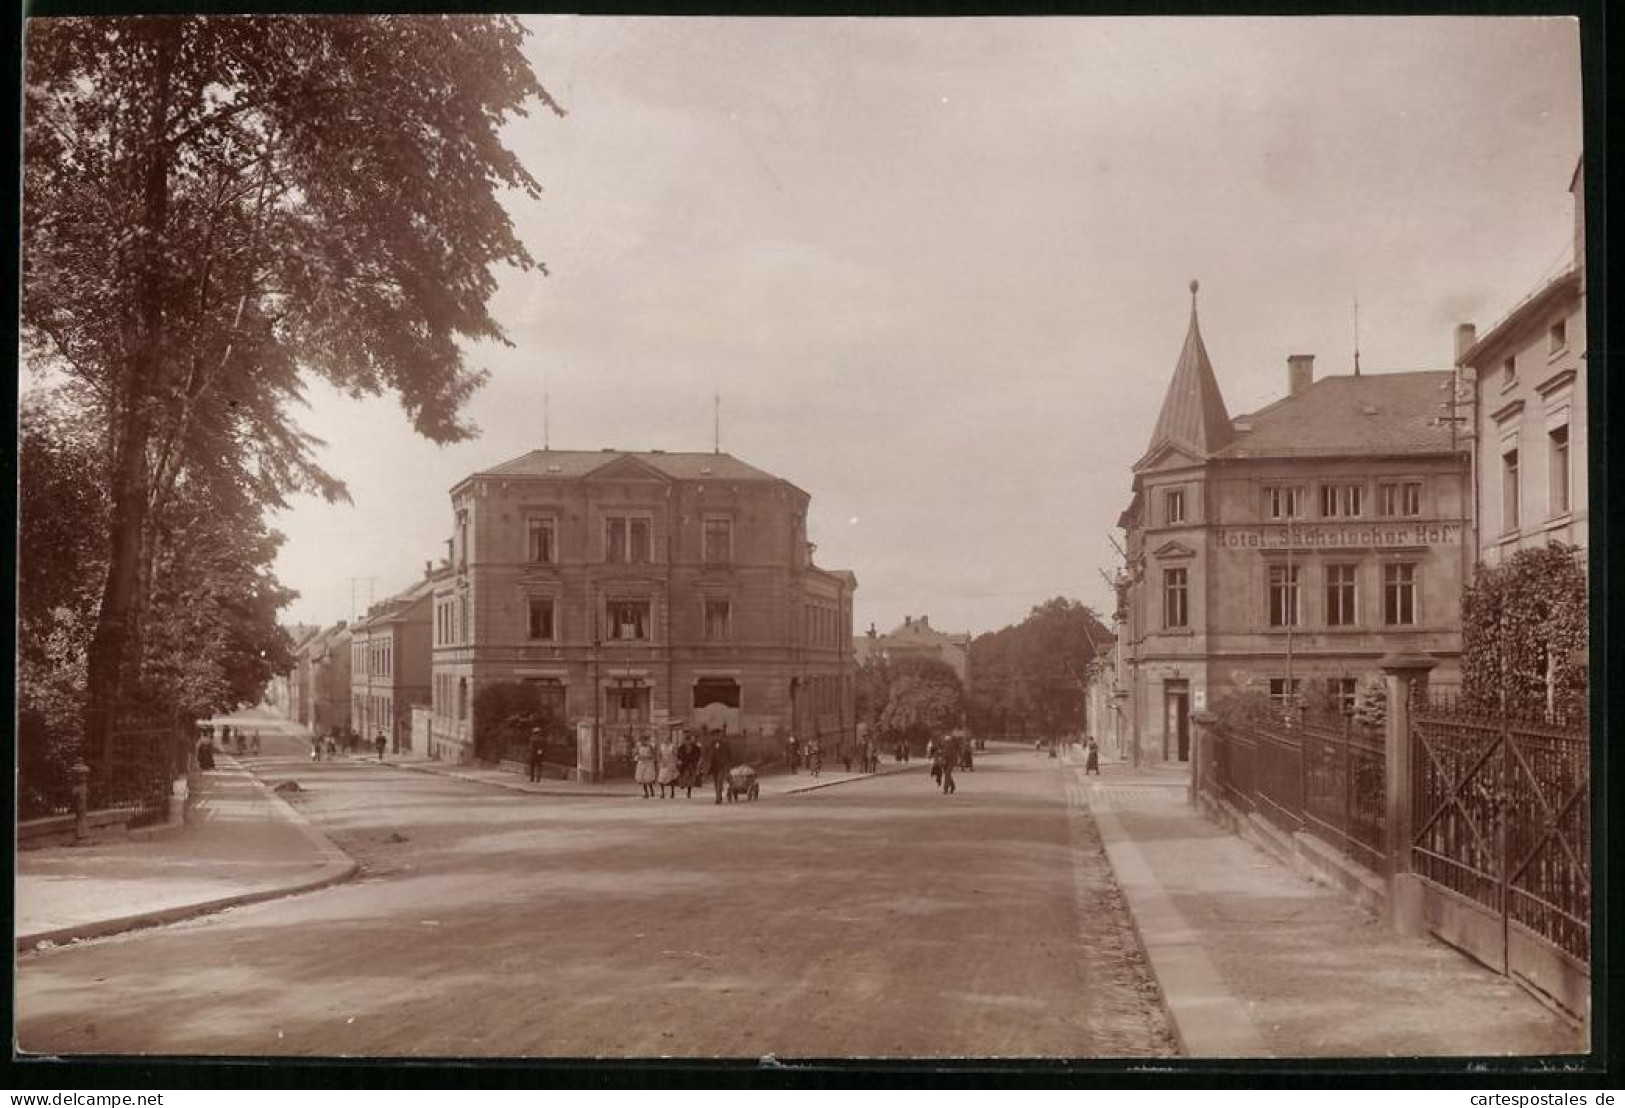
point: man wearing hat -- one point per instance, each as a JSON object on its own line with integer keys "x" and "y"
{"x": 535, "y": 753}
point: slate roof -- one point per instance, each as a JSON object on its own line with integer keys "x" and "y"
{"x": 682, "y": 466}
{"x": 1375, "y": 413}
{"x": 1193, "y": 414}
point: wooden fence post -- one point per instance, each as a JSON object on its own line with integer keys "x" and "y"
{"x": 1407, "y": 676}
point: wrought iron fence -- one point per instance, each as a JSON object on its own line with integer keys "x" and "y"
{"x": 1345, "y": 788}
{"x": 148, "y": 754}
{"x": 1501, "y": 815}
{"x": 1325, "y": 777}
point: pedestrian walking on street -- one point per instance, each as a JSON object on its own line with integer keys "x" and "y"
{"x": 644, "y": 775}
{"x": 1091, "y": 759}
{"x": 316, "y": 748}
{"x": 254, "y": 744}
{"x": 948, "y": 754}
{"x": 536, "y": 754}
{"x": 378, "y": 744}
{"x": 792, "y": 753}
{"x": 815, "y": 757}
{"x": 719, "y": 759}
{"x": 205, "y": 751}
{"x": 666, "y": 766}
{"x": 688, "y": 763}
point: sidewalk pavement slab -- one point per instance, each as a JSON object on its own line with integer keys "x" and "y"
{"x": 1255, "y": 961}
{"x": 241, "y": 843}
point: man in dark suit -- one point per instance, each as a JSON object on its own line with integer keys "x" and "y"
{"x": 719, "y": 759}
{"x": 536, "y": 754}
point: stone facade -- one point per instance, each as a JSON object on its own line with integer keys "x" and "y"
{"x": 1288, "y": 550}
{"x": 390, "y": 665}
{"x": 1529, "y": 414}
{"x": 643, "y": 589}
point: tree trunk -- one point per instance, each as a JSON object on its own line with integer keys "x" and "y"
{"x": 111, "y": 662}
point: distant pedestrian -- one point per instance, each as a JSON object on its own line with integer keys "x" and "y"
{"x": 949, "y": 755}
{"x": 644, "y": 773}
{"x": 1091, "y": 758}
{"x": 719, "y": 759}
{"x": 254, "y": 744}
{"x": 815, "y": 757}
{"x": 792, "y": 753}
{"x": 316, "y": 748}
{"x": 379, "y": 743}
{"x": 967, "y": 760}
{"x": 688, "y": 763}
{"x": 536, "y": 752}
{"x": 332, "y": 747}
{"x": 666, "y": 767}
{"x": 205, "y": 751}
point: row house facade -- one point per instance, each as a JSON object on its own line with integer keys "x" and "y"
{"x": 640, "y": 590}
{"x": 390, "y": 665}
{"x": 1288, "y": 550}
{"x": 1530, "y": 483}
{"x": 319, "y": 684}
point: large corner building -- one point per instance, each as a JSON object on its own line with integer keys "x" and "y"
{"x": 641, "y": 589}
{"x": 1288, "y": 550}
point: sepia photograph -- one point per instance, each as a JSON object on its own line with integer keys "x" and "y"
{"x": 828, "y": 541}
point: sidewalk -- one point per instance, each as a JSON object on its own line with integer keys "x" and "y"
{"x": 1255, "y": 961}
{"x": 773, "y": 783}
{"x": 241, "y": 843}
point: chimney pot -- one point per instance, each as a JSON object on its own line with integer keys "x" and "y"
{"x": 1466, "y": 335}
{"x": 1300, "y": 373}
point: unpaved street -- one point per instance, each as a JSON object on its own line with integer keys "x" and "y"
{"x": 876, "y": 918}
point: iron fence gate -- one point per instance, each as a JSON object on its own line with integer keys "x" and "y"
{"x": 1501, "y": 816}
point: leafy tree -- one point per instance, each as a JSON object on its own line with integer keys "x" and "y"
{"x": 1037, "y": 672}
{"x": 1525, "y": 625}
{"x": 213, "y": 205}
{"x": 924, "y": 697}
{"x": 505, "y": 713}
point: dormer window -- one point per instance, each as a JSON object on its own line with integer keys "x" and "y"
{"x": 1557, "y": 336}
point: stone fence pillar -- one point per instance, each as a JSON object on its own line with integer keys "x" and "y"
{"x": 1407, "y": 678}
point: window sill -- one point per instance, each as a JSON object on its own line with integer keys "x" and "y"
{"x": 1554, "y": 355}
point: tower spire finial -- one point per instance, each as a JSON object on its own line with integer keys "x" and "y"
{"x": 1195, "y": 284}
{"x": 546, "y": 437}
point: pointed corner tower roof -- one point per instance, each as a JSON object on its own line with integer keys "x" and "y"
{"x": 1193, "y": 414}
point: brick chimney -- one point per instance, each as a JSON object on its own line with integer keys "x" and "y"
{"x": 1300, "y": 373}
{"x": 1466, "y": 335}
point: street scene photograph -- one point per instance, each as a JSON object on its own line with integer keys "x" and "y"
{"x": 821, "y": 542}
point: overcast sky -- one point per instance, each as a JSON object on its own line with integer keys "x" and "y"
{"x": 937, "y": 269}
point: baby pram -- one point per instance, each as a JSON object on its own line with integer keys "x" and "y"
{"x": 742, "y": 783}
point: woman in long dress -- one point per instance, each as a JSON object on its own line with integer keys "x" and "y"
{"x": 645, "y": 772}
{"x": 666, "y": 767}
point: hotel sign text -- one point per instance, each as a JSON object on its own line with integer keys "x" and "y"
{"x": 1404, "y": 534}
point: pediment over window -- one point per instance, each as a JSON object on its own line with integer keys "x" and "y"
{"x": 628, "y": 584}
{"x": 541, "y": 576}
{"x": 627, "y": 469}
{"x": 1173, "y": 550}
{"x": 1168, "y": 456}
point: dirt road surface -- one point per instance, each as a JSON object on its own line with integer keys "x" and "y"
{"x": 876, "y": 919}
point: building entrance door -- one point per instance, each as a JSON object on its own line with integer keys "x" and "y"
{"x": 1176, "y": 729}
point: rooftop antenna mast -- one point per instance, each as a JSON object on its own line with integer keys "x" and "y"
{"x": 716, "y": 421}
{"x": 1356, "y": 335}
{"x": 546, "y": 436}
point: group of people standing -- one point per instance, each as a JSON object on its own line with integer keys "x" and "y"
{"x": 231, "y": 741}
{"x": 672, "y": 764}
